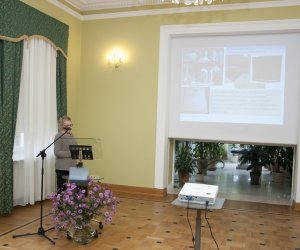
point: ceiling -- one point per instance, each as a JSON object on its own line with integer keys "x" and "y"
{"x": 103, "y": 9}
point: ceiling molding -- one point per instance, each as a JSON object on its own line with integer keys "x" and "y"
{"x": 66, "y": 9}
{"x": 164, "y": 11}
{"x": 90, "y": 5}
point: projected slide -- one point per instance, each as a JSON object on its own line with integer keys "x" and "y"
{"x": 242, "y": 84}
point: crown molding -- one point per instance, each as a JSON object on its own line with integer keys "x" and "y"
{"x": 88, "y": 5}
{"x": 165, "y": 11}
{"x": 66, "y": 9}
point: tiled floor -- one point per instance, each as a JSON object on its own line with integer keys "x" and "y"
{"x": 234, "y": 184}
{"x": 153, "y": 223}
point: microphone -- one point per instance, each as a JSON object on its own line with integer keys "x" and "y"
{"x": 67, "y": 128}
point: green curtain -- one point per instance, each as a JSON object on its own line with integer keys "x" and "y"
{"x": 10, "y": 76}
{"x": 18, "y": 19}
{"x": 61, "y": 84}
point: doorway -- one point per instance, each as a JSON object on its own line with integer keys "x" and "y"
{"x": 233, "y": 179}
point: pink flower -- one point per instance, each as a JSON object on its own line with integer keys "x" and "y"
{"x": 75, "y": 207}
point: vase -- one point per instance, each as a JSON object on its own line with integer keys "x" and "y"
{"x": 255, "y": 177}
{"x": 277, "y": 177}
{"x": 199, "y": 178}
{"x": 82, "y": 235}
{"x": 183, "y": 178}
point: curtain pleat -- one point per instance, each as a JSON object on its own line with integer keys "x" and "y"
{"x": 10, "y": 75}
{"x": 36, "y": 121}
{"x": 61, "y": 84}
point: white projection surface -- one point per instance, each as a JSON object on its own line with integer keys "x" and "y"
{"x": 242, "y": 88}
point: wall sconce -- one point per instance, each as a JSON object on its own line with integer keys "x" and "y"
{"x": 115, "y": 59}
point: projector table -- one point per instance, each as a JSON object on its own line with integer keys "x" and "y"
{"x": 218, "y": 205}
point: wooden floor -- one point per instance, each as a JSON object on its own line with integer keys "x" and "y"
{"x": 154, "y": 223}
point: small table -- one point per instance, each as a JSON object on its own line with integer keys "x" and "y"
{"x": 218, "y": 205}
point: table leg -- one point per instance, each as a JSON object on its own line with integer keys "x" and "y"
{"x": 198, "y": 230}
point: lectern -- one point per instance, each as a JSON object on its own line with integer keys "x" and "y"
{"x": 81, "y": 152}
{"x": 79, "y": 174}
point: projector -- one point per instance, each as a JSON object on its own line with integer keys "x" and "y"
{"x": 198, "y": 193}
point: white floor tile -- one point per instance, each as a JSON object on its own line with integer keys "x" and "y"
{"x": 234, "y": 184}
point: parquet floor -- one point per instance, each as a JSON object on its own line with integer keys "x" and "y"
{"x": 154, "y": 223}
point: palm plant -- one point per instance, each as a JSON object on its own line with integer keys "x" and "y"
{"x": 206, "y": 153}
{"x": 257, "y": 157}
{"x": 184, "y": 163}
{"x": 279, "y": 157}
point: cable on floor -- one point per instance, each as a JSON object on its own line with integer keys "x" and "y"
{"x": 188, "y": 219}
{"x": 206, "y": 205}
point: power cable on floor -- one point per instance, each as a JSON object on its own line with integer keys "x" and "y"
{"x": 188, "y": 219}
{"x": 206, "y": 205}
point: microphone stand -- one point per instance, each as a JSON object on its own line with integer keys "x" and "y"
{"x": 41, "y": 231}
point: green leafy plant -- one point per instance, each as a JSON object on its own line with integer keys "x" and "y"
{"x": 206, "y": 153}
{"x": 258, "y": 156}
{"x": 184, "y": 158}
{"x": 254, "y": 155}
{"x": 280, "y": 158}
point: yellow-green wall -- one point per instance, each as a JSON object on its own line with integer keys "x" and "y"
{"x": 119, "y": 106}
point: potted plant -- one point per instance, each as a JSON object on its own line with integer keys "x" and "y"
{"x": 257, "y": 157}
{"x": 184, "y": 165}
{"x": 288, "y": 158}
{"x": 200, "y": 160}
{"x": 207, "y": 154}
{"x": 217, "y": 153}
{"x": 281, "y": 161}
{"x": 74, "y": 207}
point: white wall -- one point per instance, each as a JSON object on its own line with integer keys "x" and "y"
{"x": 166, "y": 34}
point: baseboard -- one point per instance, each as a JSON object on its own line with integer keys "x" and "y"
{"x": 138, "y": 190}
{"x": 296, "y": 206}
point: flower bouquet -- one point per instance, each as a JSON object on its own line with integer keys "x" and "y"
{"x": 74, "y": 207}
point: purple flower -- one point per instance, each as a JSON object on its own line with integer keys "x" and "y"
{"x": 72, "y": 207}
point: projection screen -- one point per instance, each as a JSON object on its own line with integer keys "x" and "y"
{"x": 241, "y": 88}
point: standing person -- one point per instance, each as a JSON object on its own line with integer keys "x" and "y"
{"x": 63, "y": 160}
